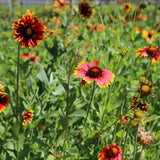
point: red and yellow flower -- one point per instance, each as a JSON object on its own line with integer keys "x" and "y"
{"x": 28, "y": 30}
{"x": 145, "y": 88}
{"x": 127, "y": 7}
{"x": 112, "y": 152}
{"x": 4, "y": 100}
{"x": 152, "y": 52}
{"x": 27, "y": 117}
{"x": 90, "y": 73}
{"x": 150, "y": 36}
{"x": 84, "y": 9}
{"x": 1, "y": 86}
{"x": 60, "y": 3}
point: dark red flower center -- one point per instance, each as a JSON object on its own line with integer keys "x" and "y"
{"x": 152, "y": 51}
{"x": 94, "y": 72}
{"x": 85, "y": 8}
{"x": 113, "y": 152}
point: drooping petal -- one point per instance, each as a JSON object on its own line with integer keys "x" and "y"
{"x": 95, "y": 63}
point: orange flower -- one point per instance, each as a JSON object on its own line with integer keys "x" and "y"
{"x": 60, "y": 3}
{"x": 4, "y": 100}
{"x": 152, "y": 52}
{"x": 51, "y": 32}
{"x": 144, "y": 17}
{"x": 150, "y": 36}
{"x": 138, "y": 30}
{"x": 28, "y": 30}
{"x": 84, "y": 9}
{"x": 56, "y": 20}
{"x": 127, "y": 7}
{"x": 27, "y": 117}
{"x": 101, "y": 27}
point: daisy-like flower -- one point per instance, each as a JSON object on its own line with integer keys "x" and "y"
{"x": 28, "y": 30}
{"x": 1, "y": 86}
{"x": 137, "y": 104}
{"x": 84, "y": 9}
{"x": 60, "y": 3}
{"x": 112, "y": 152}
{"x": 27, "y": 117}
{"x": 145, "y": 88}
{"x": 150, "y": 36}
{"x": 145, "y": 138}
{"x": 31, "y": 56}
{"x": 4, "y": 100}
{"x": 152, "y": 52}
{"x": 90, "y": 73}
{"x": 127, "y": 7}
{"x": 26, "y": 55}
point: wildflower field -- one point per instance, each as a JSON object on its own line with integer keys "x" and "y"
{"x": 80, "y": 81}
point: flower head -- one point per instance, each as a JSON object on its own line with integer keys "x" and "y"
{"x": 124, "y": 120}
{"x": 60, "y": 3}
{"x": 150, "y": 36}
{"x": 28, "y": 30}
{"x": 145, "y": 138}
{"x": 137, "y": 104}
{"x": 4, "y": 100}
{"x": 1, "y": 86}
{"x": 31, "y": 56}
{"x": 127, "y": 7}
{"x": 145, "y": 88}
{"x": 90, "y": 73}
{"x": 84, "y": 9}
{"x": 152, "y": 52}
{"x": 27, "y": 117}
{"x": 112, "y": 152}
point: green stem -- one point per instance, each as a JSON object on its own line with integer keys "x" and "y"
{"x": 90, "y": 103}
{"x": 149, "y": 69}
{"x": 135, "y": 144}
{"x": 124, "y": 146}
{"x": 67, "y": 108}
{"x": 17, "y": 87}
{"x": 141, "y": 153}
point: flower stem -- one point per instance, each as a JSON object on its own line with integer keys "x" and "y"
{"x": 135, "y": 144}
{"x": 17, "y": 87}
{"x": 141, "y": 153}
{"x": 90, "y": 103}
{"x": 67, "y": 108}
{"x": 149, "y": 69}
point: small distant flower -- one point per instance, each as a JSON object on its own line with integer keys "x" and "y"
{"x": 84, "y": 9}
{"x": 30, "y": 12}
{"x": 150, "y": 36}
{"x": 127, "y": 7}
{"x": 1, "y": 86}
{"x": 137, "y": 104}
{"x": 27, "y": 117}
{"x": 83, "y": 83}
{"x": 143, "y": 79}
{"x": 90, "y": 73}
{"x": 47, "y": 7}
{"x": 142, "y": 122}
{"x": 93, "y": 27}
{"x": 60, "y": 3}
{"x": 28, "y": 30}
{"x": 51, "y": 32}
{"x": 56, "y": 20}
{"x": 75, "y": 27}
{"x": 101, "y": 27}
{"x": 145, "y": 88}
{"x": 152, "y": 52}
{"x": 145, "y": 138}
{"x": 112, "y": 152}
{"x": 35, "y": 59}
{"x": 4, "y": 100}
{"x": 124, "y": 119}
{"x": 144, "y": 17}
{"x": 138, "y": 113}
{"x": 58, "y": 155}
{"x": 124, "y": 52}
{"x": 85, "y": 44}
{"x": 26, "y": 55}
{"x": 138, "y": 30}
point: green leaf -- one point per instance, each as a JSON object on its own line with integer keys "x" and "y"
{"x": 51, "y": 157}
{"x": 78, "y": 113}
{"x": 42, "y": 75}
{"x": 72, "y": 151}
{"x": 120, "y": 133}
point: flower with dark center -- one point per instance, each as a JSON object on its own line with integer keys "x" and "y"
{"x": 145, "y": 88}
{"x": 4, "y": 100}
{"x": 152, "y": 52}
{"x": 150, "y": 36}
{"x": 28, "y": 30}
{"x": 127, "y": 7}
{"x": 27, "y": 117}
{"x": 112, "y": 152}
{"x": 90, "y": 73}
{"x": 84, "y": 9}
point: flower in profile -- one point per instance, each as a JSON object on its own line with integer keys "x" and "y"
{"x": 35, "y": 59}
{"x": 152, "y": 52}
{"x": 4, "y": 100}
{"x": 1, "y": 86}
{"x": 112, "y": 152}
{"x": 145, "y": 138}
{"x": 28, "y": 30}
{"x": 124, "y": 120}
{"x": 138, "y": 30}
{"x": 150, "y": 36}
{"x": 145, "y": 88}
{"x": 138, "y": 113}
{"x": 83, "y": 83}
{"x": 26, "y": 55}
{"x": 90, "y": 73}
{"x": 27, "y": 117}
{"x": 31, "y": 56}
{"x": 60, "y": 3}
{"x": 127, "y": 7}
{"x": 84, "y": 9}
